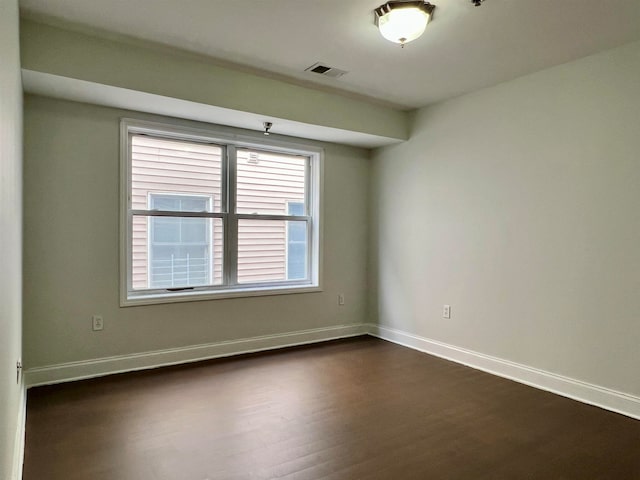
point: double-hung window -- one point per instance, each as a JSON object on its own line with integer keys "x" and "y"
{"x": 206, "y": 215}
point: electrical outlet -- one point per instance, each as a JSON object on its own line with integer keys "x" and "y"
{"x": 97, "y": 323}
{"x": 446, "y": 311}
{"x": 341, "y": 299}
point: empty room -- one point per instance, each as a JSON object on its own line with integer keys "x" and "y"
{"x": 295, "y": 239}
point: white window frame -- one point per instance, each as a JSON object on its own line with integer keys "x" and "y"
{"x": 230, "y": 141}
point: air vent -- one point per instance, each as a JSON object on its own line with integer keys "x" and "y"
{"x": 325, "y": 70}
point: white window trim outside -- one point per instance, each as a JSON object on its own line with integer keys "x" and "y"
{"x": 177, "y": 132}
{"x": 149, "y": 239}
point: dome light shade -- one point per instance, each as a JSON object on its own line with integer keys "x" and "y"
{"x": 402, "y": 22}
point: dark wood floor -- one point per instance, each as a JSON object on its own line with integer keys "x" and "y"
{"x": 354, "y": 409}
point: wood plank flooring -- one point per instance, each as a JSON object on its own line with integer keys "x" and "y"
{"x": 353, "y": 409}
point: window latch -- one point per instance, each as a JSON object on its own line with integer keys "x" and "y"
{"x": 179, "y": 289}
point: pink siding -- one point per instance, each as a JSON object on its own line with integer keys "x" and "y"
{"x": 265, "y": 187}
{"x": 266, "y": 183}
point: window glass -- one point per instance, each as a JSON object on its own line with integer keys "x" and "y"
{"x": 296, "y": 244}
{"x": 162, "y": 166}
{"x": 267, "y": 181}
{"x": 176, "y": 252}
{"x": 266, "y": 255}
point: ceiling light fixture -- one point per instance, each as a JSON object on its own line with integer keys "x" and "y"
{"x": 404, "y": 21}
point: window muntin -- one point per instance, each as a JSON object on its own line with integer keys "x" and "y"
{"x": 247, "y": 225}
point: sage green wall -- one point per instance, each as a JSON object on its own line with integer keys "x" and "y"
{"x": 71, "y": 249}
{"x": 10, "y": 233}
{"x": 174, "y": 74}
{"x": 519, "y": 205}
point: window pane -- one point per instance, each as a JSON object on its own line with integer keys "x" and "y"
{"x": 194, "y": 230}
{"x": 266, "y": 253}
{"x": 165, "y": 230}
{"x": 267, "y": 182}
{"x": 296, "y": 250}
{"x": 295, "y": 208}
{"x": 296, "y": 244}
{"x": 175, "y": 176}
{"x": 194, "y": 204}
{"x": 164, "y": 202}
{"x": 170, "y": 252}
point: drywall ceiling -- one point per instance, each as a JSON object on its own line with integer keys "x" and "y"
{"x": 465, "y": 48}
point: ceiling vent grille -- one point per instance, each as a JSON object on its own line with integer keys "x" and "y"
{"x": 325, "y": 70}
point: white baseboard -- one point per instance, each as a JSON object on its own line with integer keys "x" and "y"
{"x": 65, "y": 372}
{"x": 18, "y": 449}
{"x": 602, "y": 397}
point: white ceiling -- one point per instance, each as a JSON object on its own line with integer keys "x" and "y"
{"x": 465, "y": 48}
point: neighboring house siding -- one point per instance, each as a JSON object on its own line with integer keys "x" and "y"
{"x": 265, "y": 187}
{"x": 266, "y": 184}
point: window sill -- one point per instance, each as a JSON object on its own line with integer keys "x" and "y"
{"x": 180, "y": 297}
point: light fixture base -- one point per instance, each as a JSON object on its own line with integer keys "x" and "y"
{"x": 426, "y": 7}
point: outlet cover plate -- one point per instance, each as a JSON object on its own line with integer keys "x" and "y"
{"x": 97, "y": 323}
